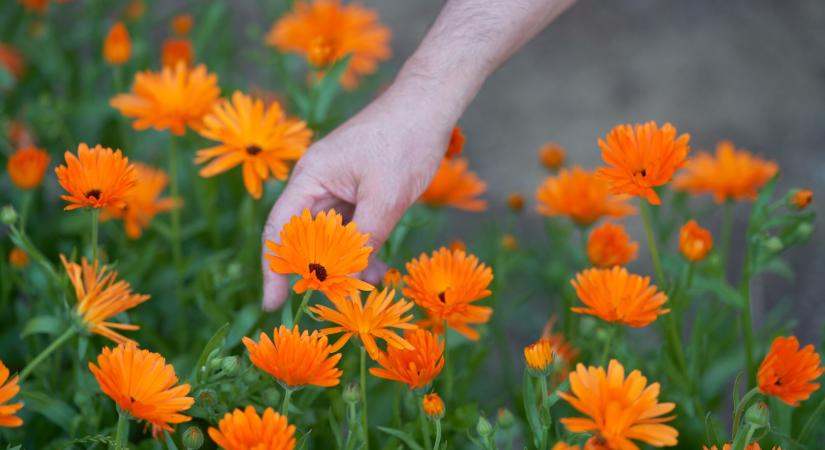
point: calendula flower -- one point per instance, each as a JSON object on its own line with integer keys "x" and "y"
{"x": 96, "y": 178}
{"x": 618, "y": 409}
{"x": 174, "y": 98}
{"x": 101, "y": 296}
{"x": 324, "y": 252}
{"x": 176, "y": 51}
{"x": 641, "y": 157}
{"x": 564, "y": 446}
{"x": 143, "y": 202}
{"x": 456, "y": 145}
{"x": 27, "y": 166}
{"x": 751, "y": 446}
{"x": 515, "y": 201}
{"x": 368, "y": 322}
{"x": 416, "y": 368}
{"x": 562, "y": 349}
{"x": 246, "y": 430}
{"x": 182, "y": 24}
{"x": 509, "y": 242}
{"x": 617, "y": 296}
{"x": 610, "y": 245}
{"x": 38, "y": 6}
{"x": 8, "y": 389}
{"x": 11, "y": 60}
{"x": 445, "y": 285}
{"x": 694, "y": 241}
{"x": 458, "y": 244}
{"x": 801, "y": 198}
{"x": 552, "y": 156}
{"x": 731, "y": 174}
{"x": 539, "y": 357}
{"x": 788, "y": 372}
{"x": 260, "y": 138}
{"x": 295, "y": 358}
{"x": 456, "y": 186}
{"x": 580, "y": 196}
{"x": 143, "y": 385}
{"x": 392, "y": 278}
{"x": 117, "y": 47}
{"x": 18, "y": 258}
{"x": 135, "y": 9}
{"x": 433, "y": 406}
{"x": 325, "y": 31}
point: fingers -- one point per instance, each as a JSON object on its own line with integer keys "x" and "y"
{"x": 378, "y": 218}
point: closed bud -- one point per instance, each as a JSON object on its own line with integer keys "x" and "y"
{"x": 505, "y": 418}
{"x": 804, "y": 231}
{"x": 193, "y": 438}
{"x": 773, "y": 244}
{"x": 483, "y": 427}
{"x": 230, "y": 365}
{"x": 207, "y": 397}
{"x": 8, "y": 215}
{"x": 351, "y": 393}
{"x": 758, "y": 415}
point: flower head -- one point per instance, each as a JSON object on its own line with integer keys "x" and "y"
{"x": 641, "y": 157}
{"x": 539, "y": 357}
{"x": 581, "y": 196}
{"x": 177, "y": 50}
{"x": 8, "y": 389}
{"x": 456, "y": 145}
{"x": 509, "y": 242}
{"x": 295, "y": 358}
{"x": 11, "y": 60}
{"x": 18, "y": 258}
{"x": 456, "y": 186}
{"x": 552, "y": 156}
{"x": 182, "y": 24}
{"x": 515, "y": 201}
{"x": 246, "y": 430}
{"x": 610, "y": 245}
{"x": 324, "y": 252}
{"x": 615, "y": 295}
{"x": 801, "y": 198}
{"x": 751, "y": 446}
{"x": 619, "y": 409}
{"x": 392, "y": 279}
{"x": 27, "y": 166}
{"x": 694, "y": 241}
{"x": 96, "y": 178}
{"x": 260, "y": 138}
{"x": 143, "y": 202}
{"x": 433, "y": 406}
{"x": 562, "y": 350}
{"x": 142, "y": 384}
{"x": 788, "y": 372}
{"x": 416, "y": 367}
{"x": 117, "y": 47}
{"x": 564, "y": 446}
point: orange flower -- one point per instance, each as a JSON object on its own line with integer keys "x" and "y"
{"x": 173, "y": 98}
{"x": 246, "y": 430}
{"x": 175, "y": 51}
{"x": 142, "y": 384}
{"x": 751, "y": 446}
{"x": 539, "y": 357}
{"x": 325, "y": 31}
{"x": 182, "y": 24}
{"x": 27, "y": 166}
{"x": 619, "y": 409}
{"x": 458, "y": 244}
{"x": 456, "y": 145}
{"x": 38, "y": 6}
{"x": 11, "y": 60}
{"x": 788, "y": 372}
{"x": 261, "y": 138}
{"x": 446, "y": 285}
{"x": 117, "y": 47}
{"x": 101, "y": 296}
{"x": 614, "y": 295}
{"x": 509, "y": 242}
{"x": 96, "y": 178}
{"x": 433, "y": 406}
{"x": 8, "y": 389}
{"x": 801, "y": 198}
{"x": 563, "y": 350}
{"x": 455, "y": 185}
{"x": 609, "y": 245}
{"x": 579, "y": 195}
{"x": 515, "y": 201}
{"x": 552, "y": 156}
{"x": 416, "y": 368}
{"x": 374, "y": 320}
{"x": 564, "y": 446}
{"x": 642, "y": 157}
{"x": 324, "y": 252}
{"x": 729, "y": 175}
{"x": 295, "y": 359}
{"x": 392, "y": 278}
{"x": 143, "y": 202}
{"x": 135, "y": 9}
{"x": 18, "y": 258}
{"x": 694, "y": 241}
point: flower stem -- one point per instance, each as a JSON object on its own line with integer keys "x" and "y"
{"x": 364, "y": 415}
{"x": 747, "y": 327}
{"x": 122, "y": 430}
{"x": 47, "y": 351}
{"x": 651, "y": 243}
{"x": 727, "y": 226}
{"x": 611, "y": 331}
{"x": 425, "y": 426}
{"x": 302, "y": 307}
{"x": 175, "y": 212}
{"x": 437, "y": 434}
{"x": 741, "y": 440}
{"x": 448, "y": 368}
{"x": 285, "y": 404}
{"x": 95, "y": 213}
{"x": 741, "y": 407}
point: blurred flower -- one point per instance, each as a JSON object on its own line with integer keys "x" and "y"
{"x": 801, "y": 198}
{"x": 369, "y": 322}
{"x": 515, "y": 201}
{"x": 614, "y": 295}
{"x": 619, "y": 409}
{"x": 416, "y": 368}
{"x": 135, "y": 9}
{"x": 509, "y": 242}
{"x": 246, "y": 430}
{"x": 260, "y": 138}
{"x": 27, "y": 166}
{"x": 117, "y": 47}
{"x": 552, "y": 156}
{"x": 610, "y": 245}
{"x": 101, "y": 296}
{"x": 751, "y": 446}
{"x": 182, "y": 24}
{"x": 295, "y": 358}
{"x": 11, "y": 60}
{"x": 445, "y": 285}
{"x": 8, "y": 389}
{"x": 562, "y": 349}
{"x": 539, "y": 357}
{"x": 96, "y": 178}
{"x": 456, "y": 186}
{"x": 788, "y": 372}
{"x": 433, "y": 406}
{"x": 324, "y": 252}
{"x": 325, "y": 31}
{"x": 176, "y": 51}
{"x": 641, "y": 157}
{"x": 694, "y": 241}
{"x": 143, "y": 202}
{"x": 456, "y": 145}
{"x": 581, "y": 196}
{"x": 38, "y": 6}
{"x": 458, "y": 244}
{"x": 729, "y": 175}
{"x": 18, "y": 133}
{"x": 155, "y": 398}
{"x": 18, "y": 258}
{"x": 392, "y": 278}
{"x": 174, "y": 98}
{"x": 564, "y": 446}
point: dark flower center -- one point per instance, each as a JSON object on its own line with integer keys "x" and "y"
{"x": 442, "y": 297}
{"x": 318, "y": 270}
{"x": 253, "y": 150}
{"x": 94, "y": 193}
{"x": 642, "y": 172}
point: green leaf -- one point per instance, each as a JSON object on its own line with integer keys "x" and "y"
{"x": 403, "y": 436}
{"x": 720, "y": 288}
{"x": 170, "y": 443}
{"x": 531, "y": 408}
{"x": 42, "y": 325}
{"x": 214, "y": 343}
{"x": 333, "y": 426}
{"x": 326, "y": 89}
{"x": 245, "y": 319}
{"x": 51, "y": 407}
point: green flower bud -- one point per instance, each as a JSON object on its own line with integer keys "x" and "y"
{"x": 758, "y": 415}
{"x": 483, "y": 427}
{"x": 8, "y": 215}
{"x": 804, "y": 231}
{"x": 207, "y": 397}
{"x": 505, "y": 418}
{"x": 230, "y": 365}
{"x": 352, "y": 394}
{"x": 193, "y": 438}
{"x": 773, "y": 244}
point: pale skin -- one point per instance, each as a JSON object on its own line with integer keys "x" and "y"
{"x": 377, "y": 164}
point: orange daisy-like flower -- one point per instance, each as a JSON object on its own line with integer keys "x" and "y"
{"x": 18, "y": 258}
{"x": 38, "y": 6}
{"x": 610, "y": 245}
{"x": 455, "y": 185}
{"x": 751, "y": 446}
{"x": 8, "y": 389}
{"x": 182, "y": 24}
{"x": 433, "y": 406}
{"x": 101, "y": 296}
{"x": 694, "y": 241}
{"x": 27, "y": 166}
{"x": 788, "y": 372}
{"x": 617, "y": 296}
{"x": 641, "y": 157}
{"x": 96, "y": 178}
{"x": 392, "y": 278}
{"x": 143, "y": 202}
{"x": 117, "y": 47}
{"x": 176, "y": 51}
{"x": 539, "y": 356}
{"x": 456, "y": 145}
{"x": 369, "y": 322}
{"x": 325, "y": 31}
{"x": 445, "y": 285}
{"x": 324, "y": 252}
{"x": 142, "y": 384}
{"x": 562, "y": 349}
{"x": 801, "y": 198}
{"x": 11, "y": 60}
{"x": 246, "y": 430}
{"x": 581, "y": 196}
{"x": 619, "y": 409}
{"x": 261, "y": 138}
{"x": 416, "y": 368}
{"x": 564, "y": 446}
{"x": 552, "y": 156}
{"x": 174, "y": 98}
{"x": 294, "y": 358}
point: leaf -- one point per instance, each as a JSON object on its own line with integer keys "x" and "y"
{"x": 42, "y": 325}
{"x": 336, "y": 431}
{"x": 51, "y": 407}
{"x": 405, "y": 438}
{"x": 213, "y": 344}
{"x": 245, "y": 319}
{"x": 720, "y": 288}
{"x": 326, "y": 89}
{"x": 531, "y": 409}
{"x": 170, "y": 443}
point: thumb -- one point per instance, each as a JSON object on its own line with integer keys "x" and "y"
{"x": 378, "y": 218}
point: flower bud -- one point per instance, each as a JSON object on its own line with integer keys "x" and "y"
{"x": 483, "y": 427}
{"x": 230, "y": 365}
{"x": 505, "y": 418}
{"x": 509, "y": 242}
{"x": 804, "y": 231}
{"x": 758, "y": 415}
{"x": 193, "y": 438}
{"x": 515, "y": 201}
{"x": 773, "y": 244}
{"x": 433, "y": 406}
{"x": 8, "y": 215}
{"x": 351, "y": 393}
{"x": 800, "y": 198}
{"x": 207, "y": 397}
{"x": 539, "y": 357}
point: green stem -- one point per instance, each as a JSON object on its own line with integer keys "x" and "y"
{"x": 285, "y": 404}
{"x": 122, "y": 430}
{"x": 364, "y": 415}
{"x": 747, "y": 327}
{"x": 812, "y": 420}
{"x": 651, "y": 243}
{"x": 302, "y": 307}
{"x": 611, "y": 331}
{"x": 95, "y": 223}
{"x": 25, "y": 207}
{"x": 741, "y": 407}
{"x": 740, "y": 441}
{"x": 448, "y": 367}
{"x": 437, "y": 434}
{"x": 727, "y": 227}
{"x": 174, "y": 190}
{"x": 422, "y": 422}
{"x": 47, "y": 351}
